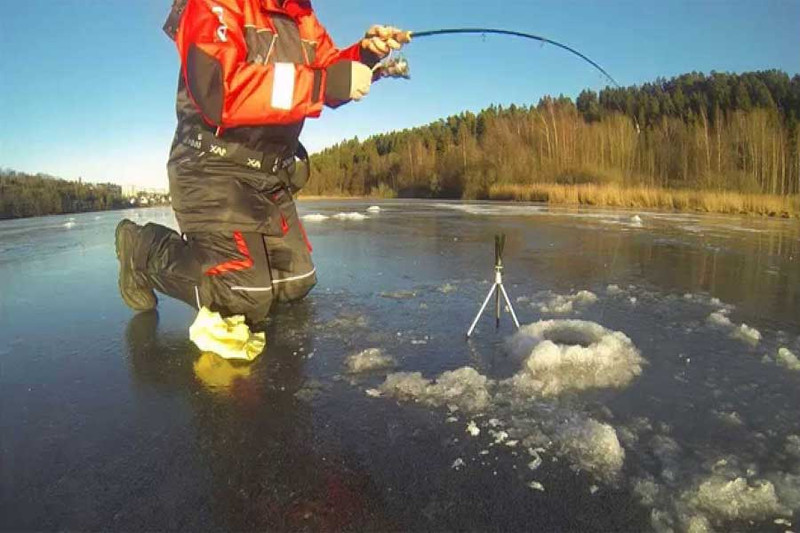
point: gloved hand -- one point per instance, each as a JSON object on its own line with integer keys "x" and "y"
{"x": 347, "y": 80}
{"x": 380, "y": 40}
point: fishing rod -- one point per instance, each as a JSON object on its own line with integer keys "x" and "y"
{"x": 407, "y": 37}
{"x": 396, "y": 66}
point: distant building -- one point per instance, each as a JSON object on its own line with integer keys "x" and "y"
{"x": 145, "y": 196}
{"x": 134, "y": 191}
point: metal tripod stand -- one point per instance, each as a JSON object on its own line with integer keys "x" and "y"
{"x": 497, "y": 288}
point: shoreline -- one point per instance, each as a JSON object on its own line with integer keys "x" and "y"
{"x": 657, "y": 198}
{"x": 614, "y": 196}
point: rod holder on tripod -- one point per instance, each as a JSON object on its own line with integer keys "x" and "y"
{"x": 497, "y": 288}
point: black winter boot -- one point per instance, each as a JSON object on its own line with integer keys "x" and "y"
{"x": 133, "y": 286}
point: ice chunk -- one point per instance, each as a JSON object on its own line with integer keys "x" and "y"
{"x": 374, "y": 209}
{"x": 647, "y": 491}
{"x": 537, "y": 459}
{"x": 747, "y": 334}
{"x": 559, "y": 304}
{"x": 593, "y": 445}
{"x": 473, "y": 429}
{"x": 787, "y": 359}
{"x": 447, "y": 288}
{"x": 464, "y": 388}
{"x": 573, "y": 355}
{"x": 369, "y": 360}
{"x": 315, "y": 217}
{"x": 457, "y": 464}
{"x": 535, "y": 485}
{"x": 405, "y": 385}
{"x": 613, "y": 290}
{"x": 499, "y": 436}
{"x": 725, "y": 499}
{"x": 792, "y": 446}
{"x": 350, "y": 216}
{"x": 399, "y": 295}
{"x": 69, "y": 225}
{"x": 788, "y": 488}
{"x": 636, "y": 221}
{"x": 742, "y": 332}
{"x": 719, "y": 318}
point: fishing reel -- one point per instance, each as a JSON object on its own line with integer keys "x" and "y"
{"x": 394, "y": 66}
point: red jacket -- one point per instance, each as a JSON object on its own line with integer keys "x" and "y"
{"x": 255, "y": 62}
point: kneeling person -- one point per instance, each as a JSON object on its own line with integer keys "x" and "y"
{"x": 251, "y": 72}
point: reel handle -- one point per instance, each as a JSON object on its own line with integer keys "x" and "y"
{"x": 394, "y": 66}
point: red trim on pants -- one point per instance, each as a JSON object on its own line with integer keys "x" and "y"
{"x": 237, "y": 264}
{"x": 305, "y": 236}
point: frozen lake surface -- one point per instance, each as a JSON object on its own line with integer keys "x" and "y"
{"x": 655, "y": 384}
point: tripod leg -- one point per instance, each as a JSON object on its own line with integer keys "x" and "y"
{"x": 483, "y": 307}
{"x": 497, "y": 308}
{"x": 510, "y": 307}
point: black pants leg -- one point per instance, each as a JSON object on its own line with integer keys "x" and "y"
{"x": 293, "y": 272}
{"x": 233, "y": 273}
{"x": 226, "y": 272}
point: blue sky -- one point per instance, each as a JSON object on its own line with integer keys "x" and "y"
{"x": 88, "y": 86}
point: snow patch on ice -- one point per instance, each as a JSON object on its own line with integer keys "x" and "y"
{"x": 350, "y": 216}
{"x": 465, "y": 388}
{"x": 369, "y": 360}
{"x": 573, "y": 355}
{"x": 561, "y": 304}
{"x": 315, "y": 217}
{"x": 788, "y": 360}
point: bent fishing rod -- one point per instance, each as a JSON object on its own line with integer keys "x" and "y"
{"x": 397, "y": 66}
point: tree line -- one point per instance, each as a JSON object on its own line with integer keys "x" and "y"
{"x": 29, "y": 195}
{"x": 726, "y": 132}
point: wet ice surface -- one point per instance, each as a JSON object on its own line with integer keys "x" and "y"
{"x": 631, "y": 410}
